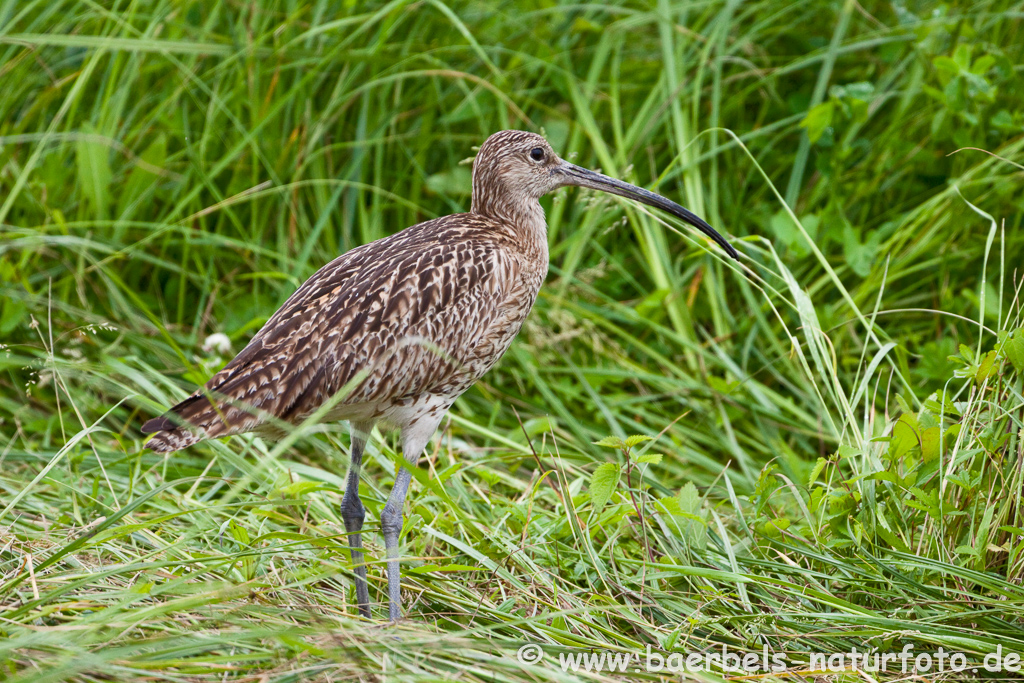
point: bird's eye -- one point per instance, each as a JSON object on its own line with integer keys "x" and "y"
{"x": 537, "y": 154}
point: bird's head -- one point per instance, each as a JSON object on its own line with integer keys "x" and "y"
{"x": 515, "y": 166}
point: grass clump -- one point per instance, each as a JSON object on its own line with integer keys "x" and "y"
{"x": 822, "y": 456}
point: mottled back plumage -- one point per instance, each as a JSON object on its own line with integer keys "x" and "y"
{"x": 422, "y": 314}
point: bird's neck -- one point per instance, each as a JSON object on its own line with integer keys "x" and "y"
{"x": 524, "y": 215}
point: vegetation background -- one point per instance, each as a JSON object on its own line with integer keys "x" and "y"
{"x": 835, "y": 454}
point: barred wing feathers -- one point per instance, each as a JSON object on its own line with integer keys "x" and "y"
{"x": 424, "y": 311}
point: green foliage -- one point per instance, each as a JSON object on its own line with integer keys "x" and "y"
{"x": 603, "y": 483}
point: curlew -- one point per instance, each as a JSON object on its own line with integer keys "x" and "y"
{"x": 394, "y": 331}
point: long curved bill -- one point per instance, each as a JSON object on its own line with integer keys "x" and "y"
{"x": 582, "y": 177}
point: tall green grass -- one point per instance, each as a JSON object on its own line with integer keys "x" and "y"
{"x": 829, "y": 478}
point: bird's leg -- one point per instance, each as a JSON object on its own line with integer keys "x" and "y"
{"x": 391, "y": 526}
{"x": 414, "y": 439}
{"x": 353, "y": 514}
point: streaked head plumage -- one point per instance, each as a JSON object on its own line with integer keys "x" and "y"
{"x": 516, "y": 162}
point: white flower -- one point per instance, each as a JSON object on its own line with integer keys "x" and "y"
{"x": 217, "y": 343}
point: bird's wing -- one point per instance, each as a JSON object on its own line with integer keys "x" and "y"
{"x": 397, "y": 317}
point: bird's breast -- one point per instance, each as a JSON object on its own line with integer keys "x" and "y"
{"x": 509, "y": 317}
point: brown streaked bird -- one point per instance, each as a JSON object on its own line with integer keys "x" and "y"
{"x": 411, "y": 321}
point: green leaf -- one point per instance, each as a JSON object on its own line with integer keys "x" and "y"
{"x": 773, "y": 528}
{"x": 517, "y": 512}
{"x": 1003, "y": 122}
{"x": 846, "y": 451}
{"x": 962, "y": 55}
{"x": 882, "y": 476}
{"x": 892, "y": 539}
{"x": 721, "y": 386}
{"x": 817, "y": 470}
{"x": 784, "y": 228}
{"x": 458, "y": 182}
{"x": 239, "y": 533}
{"x": 611, "y": 442}
{"x": 904, "y": 436}
{"x": 930, "y": 443}
{"x": 427, "y": 568}
{"x": 299, "y": 488}
{"x": 637, "y": 439}
{"x": 689, "y": 498}
{"x": 946, "y": 68}
{"x": 653, "y": 458}
{"x": 860, "y": 256}
{"x": 817, "y": 120}
{"x": 687, "y": 516}
{"x": 537, "y": 425}
{"x": 986, "y": 368}
{"x": 652, "y": 306}
{"x": 862, "y": 90}
{"x": 603, "y": 483}
{"x": 12, "y": 311}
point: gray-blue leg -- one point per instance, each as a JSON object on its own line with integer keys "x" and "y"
{"x": 391, "y": 526}
{"x": 414, "y": 439}
{"x": 353, "y": 514}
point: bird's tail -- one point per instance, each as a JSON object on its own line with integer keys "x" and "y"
{"x": 191, "y": 421}
{"x": 169, "y": 440}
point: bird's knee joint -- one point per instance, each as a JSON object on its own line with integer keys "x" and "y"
{"x": 391, "y": 521}
{"x": 352, "y": 507}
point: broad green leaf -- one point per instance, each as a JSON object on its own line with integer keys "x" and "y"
{"x": 652, "y": 306}
{"x": 946, "y": 68}
{"x": 602, "y": 484}
{"x": 904, "y": 436}
{"x": 930, "y": 443}
{"x": 1003, "y": 122}
{"x": 652, "y": 458}
{"x": 299, "y": 488}
{"x": 962, "y": 55}
{"x": 882, "y": 476}
{"x": 239, "y": 533}
{"x": 773, "y": 528}
{"x": 517, "y": 512}
{"x": 427, "y": 568}
{"x": 457, "y": 182}
{"x": 611, "y": 442}
{"x": 788, "y": 233}
{"x": 636, "y": 440}
{"x": 12, "y": 311}
{"x": 982, "y": 65}
{"x": 689, "y": 498}
{"x": 688, "y": 518}
{"x": 860, "y": 256}
{"x": 1013, "y": 349}
{"x": 817, "y": 470}
{"x": 537, "y": 425}
{"x": 986, "y": 368}
{"x": 817, "y": 120}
